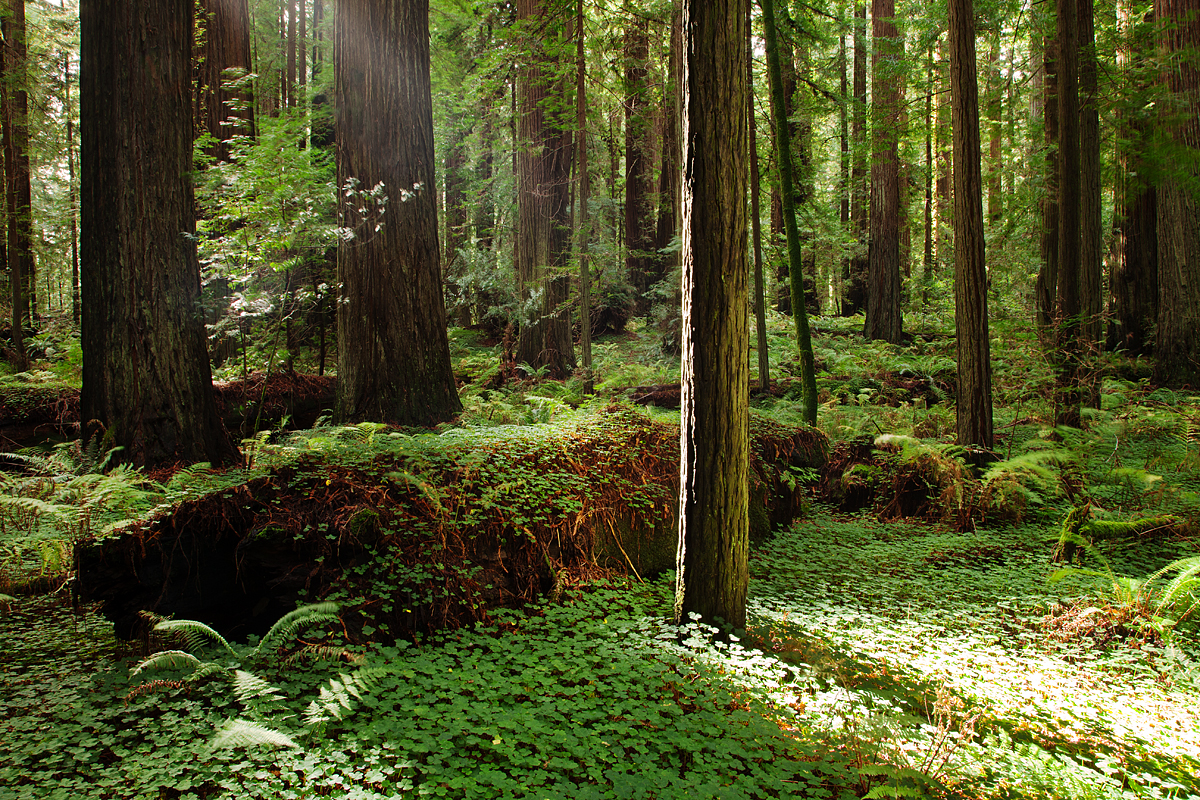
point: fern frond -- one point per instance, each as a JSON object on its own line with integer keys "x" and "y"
{"x": 1185, "y": 583}
{"x": 294, "y": 621}
{"x": 243, "y": 733}
{"x": 196, "y": 635}
{"x": 168, "y": 659}
{"x": 252, "y": 690}
{"x": 323, "y": 652}
{"x": 341, "y": 695}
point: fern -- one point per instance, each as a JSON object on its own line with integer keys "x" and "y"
{"x": 292, "y": 623}
{"x": 167, "y": 659}
{"x": 341, "y": 696}
{"x": 244, "y": 733}
{"x": 196, "y": 635}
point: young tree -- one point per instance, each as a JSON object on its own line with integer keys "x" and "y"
{"x": 974, "y": 408}
{"x": 393, "y": 352}
{"x": 1177, "y": 347}
{"x": 783, "y": 157}
{"x": 543, "y": 170}
{"x": 883, "y": 293}
{"x": 714, "y": 436}
{"x": 856, "y": 279}
{"x": 146, "y": 377}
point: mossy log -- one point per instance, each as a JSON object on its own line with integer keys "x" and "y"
{"x": 427, "y": 531}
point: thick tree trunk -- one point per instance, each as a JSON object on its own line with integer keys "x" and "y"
{"x": 1133, "y": 274}
{"x": 640, "y": 233}
{"x": 1177, "y": 346}
{"x": 393, "y": 354}
{"x": 1068, "y": 306}
{"x": 226, "y": 112}
{"x": 974, "y": 408}
{"x": 883, "y": 295}
{"x": 18, "y": 193}
{"x": 714, "y": 437}
{"x": 544, "y": 153}
{"x": 146, "y": 378}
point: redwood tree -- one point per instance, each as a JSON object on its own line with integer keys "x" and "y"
{"x": 714, "y": 437}
{"x": 393, "y": 353}
{"x": 543, "y": 169}
{"x": 883, "y": 276}
{"x": 146, "y": 376}
{"x": 225, "y": 111}
{"x": 1177, "y": 347}
{"x": 18, "y": 194}
{"x": 974, "y": 408}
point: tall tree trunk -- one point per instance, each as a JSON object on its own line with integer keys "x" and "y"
{"x": 393, "y": 353}
{"x": 544, "y": 152}
{"x": 640, "y": 260}
{"x": 1090, "y": 210}
{"x": 783, "y": 158}
{"x": 944, "y": 224}
{"x": 146, "y": 376}
{"x": 856, "y": 279}
{"x": 1046, "y": 287}
{"x": 457, "y": 222}
{"x": 760, "y": 300}
{"x": 844, "y": 185}
{"x": 712, "y": 574}
{"x": 974, "y": 408}
{"x": 18, "y": 192}
{"x": 927, "y": 265}
{"x": 883, "y": 298}
{"x": 1177, "y": 346}
{"x": 1068, "y": 306}
{"x": 227, "y": 110}
{"x": 670, "y": 186}
{"x": 582, "y": 226}
{"x": 72, "y": 194}
{"x": 1133, "y": 275}
{"x": 995, "y": 179}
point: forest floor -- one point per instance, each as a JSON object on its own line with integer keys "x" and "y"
{"x": 921, "y": 644}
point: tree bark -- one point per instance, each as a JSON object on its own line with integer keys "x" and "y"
{"x": 640, "y": 232}
{"x": 974, "y": 407}
{"x": 1177, "y": 347}
{"x": 393, "y": 353}
{"x": 1133, "y": 275}
{"x": 146, "y": 376}
{"x": 582, "y": 219}
{"x": 226, "y": 112}
{"x": 856, "y": 280}
{"x": 712, "y": 570}
{"x": 670, "y": 186}
{"x": 18, "y": 192}
{"x": 883, "y": 297}
{"x": 1090, "y": 209}
{"x": 1046, "y": 286}
{"x": 760, "y": 300}
{"x": 544, "y": 154}
{"x": 1068, "y": 306}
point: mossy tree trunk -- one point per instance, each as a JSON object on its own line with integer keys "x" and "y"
{"x": 146, "y": 376}
{"x": 393, "y": 352}
{"x": 714, "y": 437}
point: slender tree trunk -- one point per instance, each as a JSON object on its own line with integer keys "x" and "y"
{"x": 995, "y": 179}
{"x": 844, "y": 183}
{"x": 640, "y": 260}
{"x": 72, "y": 194}
{"x": 544, "y": 151}
{"x": 1177, "y": 347}
{"x": 974, "y": 407}
{"x": 856, "y": 277}
{"x": 1046, "y": 287}
{"x": 944, "y": 224}
{"x": 457, "y": 225}
{"x": 670, "y": 185}
{"x": 582, "y": 227}
{"x": 783, "y": 158}
{"x": 712, "y": 574}
{"x": 393, "y": 353}
{"x": 1069, "y": 232}
{"x": 760, "y": 301}
{"x": 146, "y": 376}
{"x": 883, "y": 298}
{"x": 1090, "y": 210}
{"x": 927, "y": 266}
